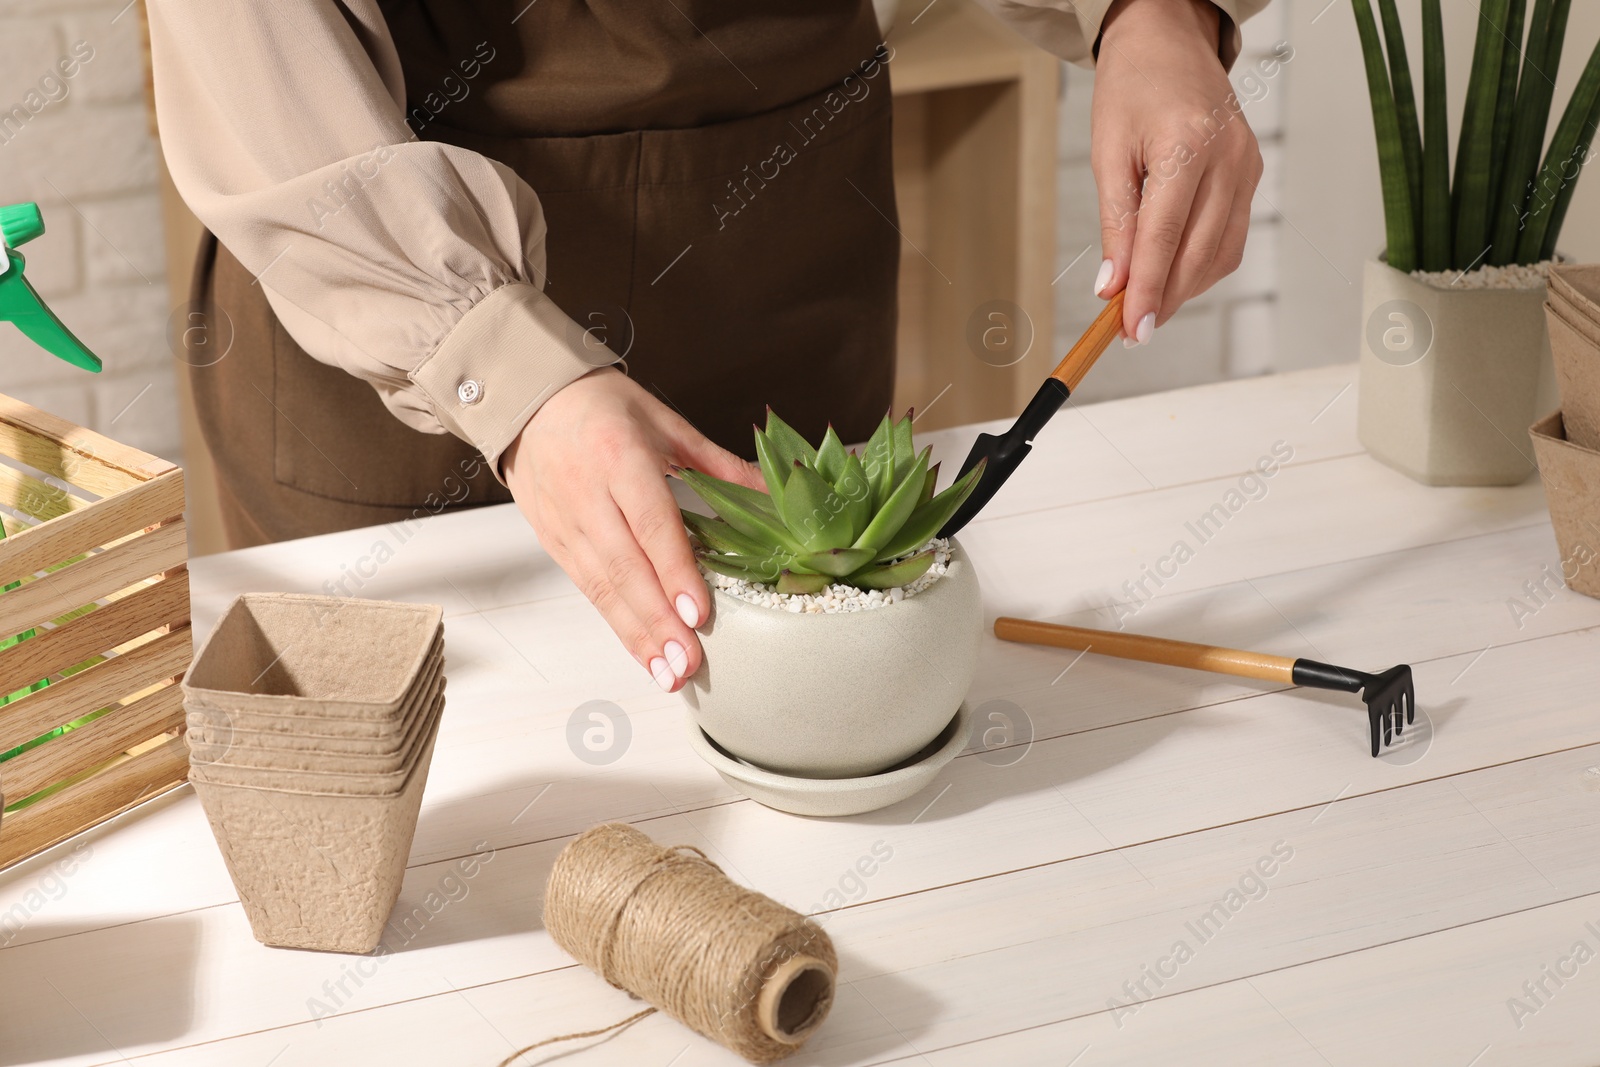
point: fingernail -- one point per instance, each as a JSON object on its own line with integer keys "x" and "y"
{"x": 1103, "y": 279}
{"x": 662, "y": 674}
{"x": 1147, "y": 327}
{"x": 677, "y": 658}
{"x": 688, "y": 610}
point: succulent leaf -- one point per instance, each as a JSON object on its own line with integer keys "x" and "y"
{"x": 762, "y": 572}
{"x": 896, "y": 510}
{"x": 877, "y": 457}
{"x": 773, "y": 469}
{"x": 734, "y": 506}
{"x": 830, "y": 457}
{"x": 816, "y": 515}
{"x": 719, "y": 536}
{"x": 904, "y": 451}
{"x": 930, "y": 517}
{"x": 836, "y": 563}
{"x": 893, "y": 574}
{"x": 792, "y": 582}
{"x": 856, "y": 488}
{"x": 790, "y": 445}
{"x": 929, "y": 483}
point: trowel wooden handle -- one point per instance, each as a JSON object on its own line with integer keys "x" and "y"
{"x": 1149, "y": 649}
{"x": 1105, "y": 328}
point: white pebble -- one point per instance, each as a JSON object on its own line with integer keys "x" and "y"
{"x": 834, "y": 598}
{"x": 1514, "y": 276}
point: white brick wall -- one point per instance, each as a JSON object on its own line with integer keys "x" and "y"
{"x": 88, "y": 160}
{"x": 1229, "y": 332}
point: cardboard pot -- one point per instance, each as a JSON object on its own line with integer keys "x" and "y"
{"x": 1451, "y": 378}
{"x": 214, "y": 738}
{"x": 1573, "y": 313}
{"x": 838, "y": 695}
{"x": 317, "y": 872}
{"x": 1571, "y": 476}
{"x": 296, "y": 654}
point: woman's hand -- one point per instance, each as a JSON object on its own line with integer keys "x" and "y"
{"x": 589, "y": 472}
{"x": 1174, "y": 159}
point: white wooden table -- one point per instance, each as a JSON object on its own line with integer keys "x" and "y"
{"x": 1029, "y": 890}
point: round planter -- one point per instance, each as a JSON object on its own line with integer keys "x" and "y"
{"x": 1451, "y": 378}
{"x": 838, "y": 695}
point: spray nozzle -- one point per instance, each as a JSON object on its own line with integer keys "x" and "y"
{"x": 19, "y": 304}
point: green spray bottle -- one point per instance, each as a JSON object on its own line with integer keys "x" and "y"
{"x": 19, "y": 304}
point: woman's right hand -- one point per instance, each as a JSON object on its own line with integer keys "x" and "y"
{"x": 589, "y": 472}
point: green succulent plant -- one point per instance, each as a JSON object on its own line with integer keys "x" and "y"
{"x": 829, "y": 515}
{"x": 1503, "y": 206}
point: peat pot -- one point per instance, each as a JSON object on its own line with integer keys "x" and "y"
{"x": 1451, "y": 378}
{"x": 838, "y": 695}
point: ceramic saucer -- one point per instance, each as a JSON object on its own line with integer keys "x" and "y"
{"x": 837, "y": 796}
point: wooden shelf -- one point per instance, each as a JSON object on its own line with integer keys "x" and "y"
{"x": 975, "y": 175}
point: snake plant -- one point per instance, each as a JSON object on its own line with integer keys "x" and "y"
{"x": 1503, "y": 205}
{"x": 829, "y": 515}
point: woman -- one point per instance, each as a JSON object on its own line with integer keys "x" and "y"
{"x": 453, "y": 217}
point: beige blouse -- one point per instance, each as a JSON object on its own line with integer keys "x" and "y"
{"x": 413, "y": 265}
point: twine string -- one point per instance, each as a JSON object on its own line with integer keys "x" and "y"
{"x": 635, "y": 1017}
{"x": 668, "y": 926}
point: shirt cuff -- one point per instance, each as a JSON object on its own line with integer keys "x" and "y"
{"x": 509, "y": 354}
{"x": 1230, "y": 39}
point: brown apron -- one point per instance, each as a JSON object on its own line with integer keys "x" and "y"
{"x": 732, "y": 272}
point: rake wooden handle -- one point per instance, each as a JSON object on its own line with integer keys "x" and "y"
{"x": 1101, "y": 332}
{"x": 1149, "y": 649}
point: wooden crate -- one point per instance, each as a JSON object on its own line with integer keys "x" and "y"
{"x": 93, "y": 568}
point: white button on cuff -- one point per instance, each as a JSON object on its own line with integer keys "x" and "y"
{"x": 470, "y": 391}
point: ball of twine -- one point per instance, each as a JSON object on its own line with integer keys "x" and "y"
{"x": 667, "y": 925}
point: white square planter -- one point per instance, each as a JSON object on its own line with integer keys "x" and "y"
{"x": 1451, "y": 378}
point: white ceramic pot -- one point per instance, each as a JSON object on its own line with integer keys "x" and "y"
{"x": 1451, "y": 378}
{"x": 838, "y": 695}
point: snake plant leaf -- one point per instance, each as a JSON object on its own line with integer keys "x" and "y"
{"x": 1558, "y": 211}
{"x": 1405, "y": 104}
{"x": 1552, "y": 190}
{"x": 830, "y": 456}
{"x": 733, "y": 504}
{"x": 929, "y": 483}
{"x": 1560, "y": 160}
{"x": 773, "y": 469}
{"x": 856, "y": 488}
{"x": 904, "y": 451}
{"x": 1474, "y": 162}
{"x": 1399, "y": 224}
{"x": 790, "y": 445}
{"x": 719, "y": 536}
{"x": 897, "y": 509}
{"x": 1500, "y": 129}
{"x": 929, "y": 518}
{"x": 1436, "y": 230}
{"x": 891, "y": 575}
{"x": 815, "y": 514}
{"x": 836, "y": 563}
{"x": 793, "y": 582}
{"x": 1527, "y": 137}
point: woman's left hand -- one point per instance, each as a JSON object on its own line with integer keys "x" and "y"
{"x": 1174, "y": 159}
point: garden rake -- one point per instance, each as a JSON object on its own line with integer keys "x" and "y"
{"x": 1390, "y": 698}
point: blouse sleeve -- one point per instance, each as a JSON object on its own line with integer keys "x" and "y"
{"x": 416, "y": 266}
{"x": 1070, "y": 28}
